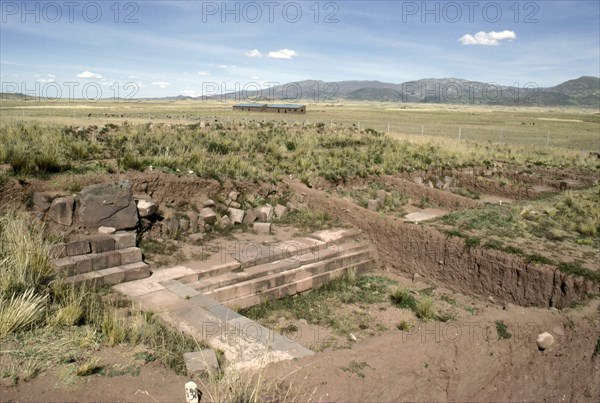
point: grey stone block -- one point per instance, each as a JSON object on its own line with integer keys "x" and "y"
{"x": 78, "y": 248}
{"x": 201, "y": 363}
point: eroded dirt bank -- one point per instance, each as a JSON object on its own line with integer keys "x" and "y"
{"x": 409, "y": 248}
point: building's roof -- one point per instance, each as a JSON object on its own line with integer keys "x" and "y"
{"x": 251, "y": 105}
{"x": 291, "y": 106}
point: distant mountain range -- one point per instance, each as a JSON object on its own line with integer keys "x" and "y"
{"x": 583, "y": 91}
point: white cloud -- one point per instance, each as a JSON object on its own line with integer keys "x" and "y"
{"x": 190, "y": 93}
{"x": 253, "y": 53}
{"x": 161, "y": 84}
{"x": 254, "y": 77}
{"x": 226, "y": 66}
{"x": 133, "y": 77}
{"x": 50, "y": 78}
{"x": 89, "y": 74}
{"x": 283, "y": 54}
{"x": 491, "y": 38}
{"x": 203, "y": 73}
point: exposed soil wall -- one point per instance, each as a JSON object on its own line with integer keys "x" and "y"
{"x": 410, "y": 248}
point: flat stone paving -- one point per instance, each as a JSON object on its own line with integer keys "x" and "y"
{"x": 245, "y": 342}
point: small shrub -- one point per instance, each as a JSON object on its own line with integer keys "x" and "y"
{"x": 403, "y": 299}
{"x": 404, "y": 326}
{"x": 424, "y": 309}
{"x": 502, "y": 330}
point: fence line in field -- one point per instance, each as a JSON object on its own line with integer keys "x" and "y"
{"x": 494, "y": 134}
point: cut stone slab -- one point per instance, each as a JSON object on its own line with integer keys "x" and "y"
{"x": 265, "y": 213}
{"x": 124, "y": 240}
{"x": 130, "y": 255}
{"x": 107, "y": 205}
{"x": 57, "y": 251}
{"x": 208, "y": 215}
{"x": 420, "y": 216}
{"x": 250, "y": 216}
{"x": 99, "y": 245}
{"x": 233, "y": 196}
{"x": 262, "y": 227}
{"x": 281, "y": 211}
{"x": 78, "y": 248}
{"x": 225, "y": 222}
{"x": 373, "y": 205}
{"x": 237, "y": 215}
{"x": 61, "y": 210}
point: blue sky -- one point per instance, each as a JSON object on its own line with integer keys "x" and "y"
{"x": 169, "y": 48}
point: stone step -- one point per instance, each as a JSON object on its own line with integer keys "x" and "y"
{"x": 94, "y": 244}
{"x": 80, "y": 264}
{"x": 253, "y": 254}
{"x": 297, "y": 286}
{"x": 269, "y": 280}
{"x": 111, "y": 275}
{"x": 239, "y": 275}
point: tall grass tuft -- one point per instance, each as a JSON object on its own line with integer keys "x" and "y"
{"x": 24, "y": 253}
{"x": 20, "y": 311}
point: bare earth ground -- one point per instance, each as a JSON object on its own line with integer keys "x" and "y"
{"x": 459, "y": 360}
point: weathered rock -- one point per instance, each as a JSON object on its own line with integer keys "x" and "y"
{"x": 545, "y": 340}
{"x": 225, "y": 222}
{"x": 250, "y": 198}
{"x": 262, "y": 227}
{"x": 233, "y": 196}
{"x": 202, "y": 362}
{"x": 196, "y": 237}
{"x": 418, "y": 180}
{"x": 146, "y": 208}
{"x": 265, "y": 213}
{"x": 381, "y": 196}
{"x": 430, "y": 184}
{"x": 61, "y": 210}
{"x": 250, "y": 216}
{"x": 41, "y": 203}
{"x": 107, "y": 205}
{"x": 107, "y": 230}
{"x": 208, "y": 215}
{"x": 184, "y": 224}
{"x": 235, "y": 204}
{"x": 280, "y": 211}
{"x": 171, "y": 226}
{"x": 373, "y": 205}
{"x": 193, "y": 221}
{"x": 439, "y": 184}
{"x": 237, "y": 215}
{"x": 208, "y": 203}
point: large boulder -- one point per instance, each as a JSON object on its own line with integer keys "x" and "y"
{"x": 107, "y": 205}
